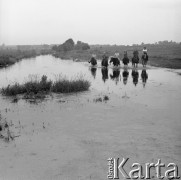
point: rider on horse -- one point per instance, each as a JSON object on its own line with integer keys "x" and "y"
{"x": 135, "y": 59}
{"x": 104, "y": 62}
{"x": 144, "y": 57}
{"x": 125, "y": 59}
{"x": 115, "y": 60}
{"x": 93, "y": 60}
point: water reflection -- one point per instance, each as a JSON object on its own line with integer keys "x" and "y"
{"x": 93, "y": 71}
{"x": 144, "y": 77}
{"x": 115, "y": 75}
{"x": 104, "y": 74}
{"x": 125, "y": 76}
{"x": 135, "y": 76}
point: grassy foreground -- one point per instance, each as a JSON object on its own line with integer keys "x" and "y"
{"x": 35, "y": 86}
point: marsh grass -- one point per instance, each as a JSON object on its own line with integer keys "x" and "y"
{"x": 5, "y": 61}
{"x": 10, "y": 55}
{"x": 64, "y": 85}
{"x": 105, "y": 98}
{"x": 35, "y": 88}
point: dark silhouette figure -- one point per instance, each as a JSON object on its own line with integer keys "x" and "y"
{"x": 125, "y": 59}
{"x": 144, "y": 77}
{"x": 93, "y": 61}
{"x": 104, "y": 62}
{"x": 144, "y": 59}
{"x": 115, "y": 75}
{"x": 93, "y": 71}
{"x": 104, "y": 74}
{"x": 125, "y": 76}
{"x": 135, "y": 76}
{"x": 115, "y": 61}
{"x": 135, "y": 59}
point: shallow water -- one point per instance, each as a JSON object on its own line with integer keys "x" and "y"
{"x": 141, "y": 120}
{"x": 101, "y": 79}
{"x": 124, "y": 83}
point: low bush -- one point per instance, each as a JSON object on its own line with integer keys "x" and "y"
{"x": 35, "y": 86}
{"x": 64, "y": 85}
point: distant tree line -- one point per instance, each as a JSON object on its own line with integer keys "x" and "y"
{"x": 165, "y": 42}
{"x": 69, "y": 45}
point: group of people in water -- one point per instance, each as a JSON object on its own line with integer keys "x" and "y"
{"x": 106, "y": 60}
{"x": 116, "y": 75}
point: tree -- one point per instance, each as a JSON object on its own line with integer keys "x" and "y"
{"x": 69, "y": 45}
{"x": 81, "y": 46}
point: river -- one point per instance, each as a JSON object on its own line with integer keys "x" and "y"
{"x": 71, "y": 136}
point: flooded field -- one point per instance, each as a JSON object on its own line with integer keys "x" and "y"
{"x": 71, "y": 136}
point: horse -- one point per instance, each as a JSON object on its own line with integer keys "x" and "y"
{"x": 125, "y": 61}
{"x": 115, "y": 61}
{"x": 104, "y": 62}
{"x": 93, "y": 61}
{"x": 144, "y": 59}
{"x": 135, "y": 59}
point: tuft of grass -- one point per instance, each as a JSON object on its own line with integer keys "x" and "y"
{"x": 12, "y": 90}
{"x": 98, "y": 99}
{"x": 63, "y": 85}
{"x": 33, "y": 86}
{"x": 105, "y": 98}
{"x": 36, "y": 88}
{"x": 101, "y": 99}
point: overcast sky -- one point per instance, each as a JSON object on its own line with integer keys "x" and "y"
{"x": 91, "y": 21}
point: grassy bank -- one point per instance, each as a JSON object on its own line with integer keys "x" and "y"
{"x": 11, "y": 55}
{"x": 43, "y": 86}
{"x": 167, "y": 56}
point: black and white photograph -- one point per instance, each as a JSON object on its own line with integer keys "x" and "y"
{"x": 90, "y": 89}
